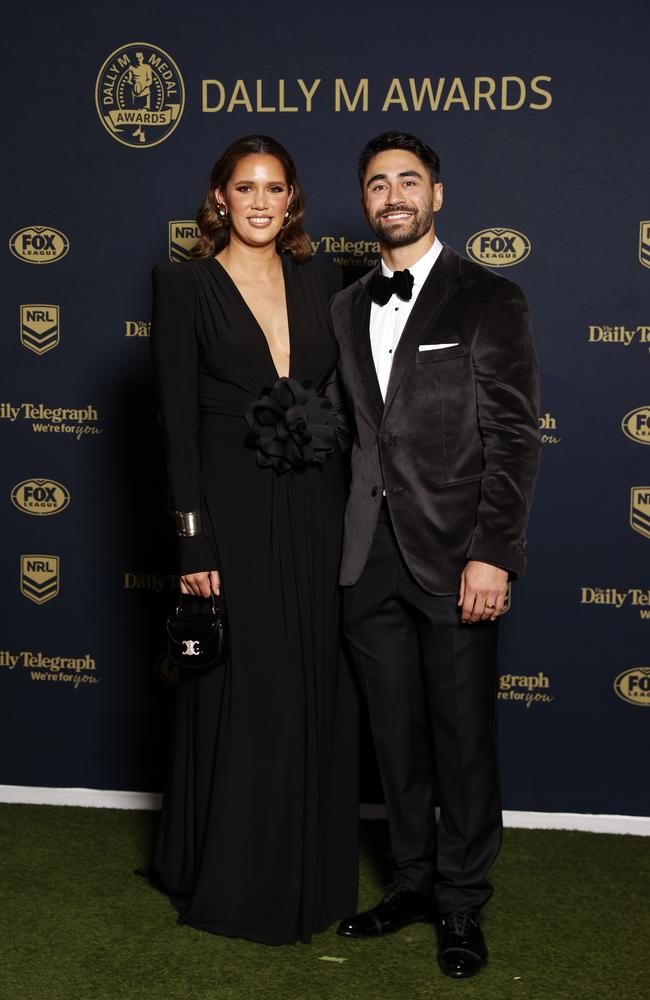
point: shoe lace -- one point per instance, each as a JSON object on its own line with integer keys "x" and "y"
{"x": 395, "y": 893}
{"x": 459, "y": 920}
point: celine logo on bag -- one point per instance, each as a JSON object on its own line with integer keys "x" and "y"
{"x": 192, "y": 647}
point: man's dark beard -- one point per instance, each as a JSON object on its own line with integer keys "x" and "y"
{"x": 419, "y": 224}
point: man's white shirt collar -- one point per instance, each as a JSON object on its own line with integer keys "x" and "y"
{"x": 419, "y": 270}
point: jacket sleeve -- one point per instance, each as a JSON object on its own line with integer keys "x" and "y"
{"x": 175, "y": 357}
{"x": 507, "y": 391}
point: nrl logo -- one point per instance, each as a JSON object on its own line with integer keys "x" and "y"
{"x": 644, "y": 243}
{"x": 183, "y": 235}
{"x": 40, "y": 327}
{"x": 640, "y": 509}
{"x": 39, "y": 577}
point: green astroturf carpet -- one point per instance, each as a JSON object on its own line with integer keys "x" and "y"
{"x": 568, "y": 921}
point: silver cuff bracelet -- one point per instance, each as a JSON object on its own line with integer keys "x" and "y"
{"x": 188, "y": 524}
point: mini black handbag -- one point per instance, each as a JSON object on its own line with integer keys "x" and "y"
{"x": 197, "y": 633}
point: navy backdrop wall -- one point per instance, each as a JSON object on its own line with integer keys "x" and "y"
{"x": 540, "y": 119}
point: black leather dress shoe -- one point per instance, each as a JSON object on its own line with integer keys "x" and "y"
{"x": 399, "y": 907}
{"x": 462, "y": 951}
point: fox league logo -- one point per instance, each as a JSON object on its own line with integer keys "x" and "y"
{"x": 634, "y": 686}
{"x": 139, "y": 95}
{"x": 498, "y": 247}
{"x": 636, "y": 424}
{"x": 41, "y": 497}
{"x": 39, "y": 244}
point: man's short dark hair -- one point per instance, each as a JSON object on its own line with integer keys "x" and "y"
{"x": 399, "y": 140}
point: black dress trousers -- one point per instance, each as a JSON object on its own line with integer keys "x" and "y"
{"x": 431, "y": 685}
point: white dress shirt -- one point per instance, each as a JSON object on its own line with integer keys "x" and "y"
{"x": 387, "y": 322}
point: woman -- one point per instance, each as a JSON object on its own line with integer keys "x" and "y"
{"x": 258, "y": 830}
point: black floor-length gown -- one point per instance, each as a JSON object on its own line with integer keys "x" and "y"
{"x": 257, "y": 837}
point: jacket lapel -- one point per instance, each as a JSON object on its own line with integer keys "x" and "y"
{"x": 440, "y": 285}
{"x": 360, "y": 325}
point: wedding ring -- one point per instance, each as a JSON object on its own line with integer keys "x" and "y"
{"x": 490, "y": 606}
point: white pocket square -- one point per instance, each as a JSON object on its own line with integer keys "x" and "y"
{"x": 435, "y": 347}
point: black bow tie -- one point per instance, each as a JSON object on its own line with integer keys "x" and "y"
{"x": 381, "y": 288}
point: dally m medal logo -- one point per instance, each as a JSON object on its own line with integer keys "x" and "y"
{"x": 634, "y": 686}
{"x": 498, "y": 247}
{"x": 41, "y": 497}
{"x": 139, "y": 95}
{"x": 640, "y": 509}
{"x": 636, "y": 424}
{"x": 39, "y": 244}
{"x": 40, "y": 327}
{"x": 183, "y": 234}
{"x": 644, "y": 243}
{"x": 39, "y": 577}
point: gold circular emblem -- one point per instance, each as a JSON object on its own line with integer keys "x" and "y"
{"x": 139, "y": 95}
{"x": 636, "y": 424}
{"x": 634, "y": 686}
{"x": 498, "y": 247}
{"x": 41, "y": 497}
{"x": 39, "y": 244}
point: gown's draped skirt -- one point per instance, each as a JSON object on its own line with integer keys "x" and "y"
{"x": 257, "y": 837}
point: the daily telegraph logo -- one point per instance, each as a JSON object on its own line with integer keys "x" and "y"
{"x": 548, "y": 429}
{"x": 73, "y": 671}
{"x": 525, "y": 689}
{"x": 41, "y": 497}
{"x": 634, "y": 686}
{"x": 39, "y": 244}
{"x": 79, "y": 422}
{"x": 137, "y": 328}
{"x": 618, "y": 334}
{"x": 342, "y": 250}
{"x": 183, "y": 234}
{"x": 644, "y": 243}
{"x": 150, "y": 581}
{"x": 498, "y": 247}
{"x": 636, "y": 424}
{"x": 612, "y": 597}
{"x": 139, "y": 95}
{"x": 640, "y": 509}
{"x": 39, "y": 577}
{"x": 40, "y": 327}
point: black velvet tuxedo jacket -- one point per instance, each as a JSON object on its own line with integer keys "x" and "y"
{"x": 455, "y": 445}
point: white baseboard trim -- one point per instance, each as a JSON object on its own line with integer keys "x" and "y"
{"x": 97, "y": 797}
{"x": 105, "y": 799}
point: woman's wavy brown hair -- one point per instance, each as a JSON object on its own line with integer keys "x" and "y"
{"x": 215, "y": 231}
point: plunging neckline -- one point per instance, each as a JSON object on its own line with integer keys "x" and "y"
{"x": 256, "y": 321}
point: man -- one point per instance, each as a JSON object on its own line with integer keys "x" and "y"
{"x": 438, "y": 364}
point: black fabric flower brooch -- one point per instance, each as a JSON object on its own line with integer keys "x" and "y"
{"x": 291, "y": 426}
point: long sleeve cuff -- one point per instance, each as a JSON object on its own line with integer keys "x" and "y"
{"x": 196, "y": 555}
